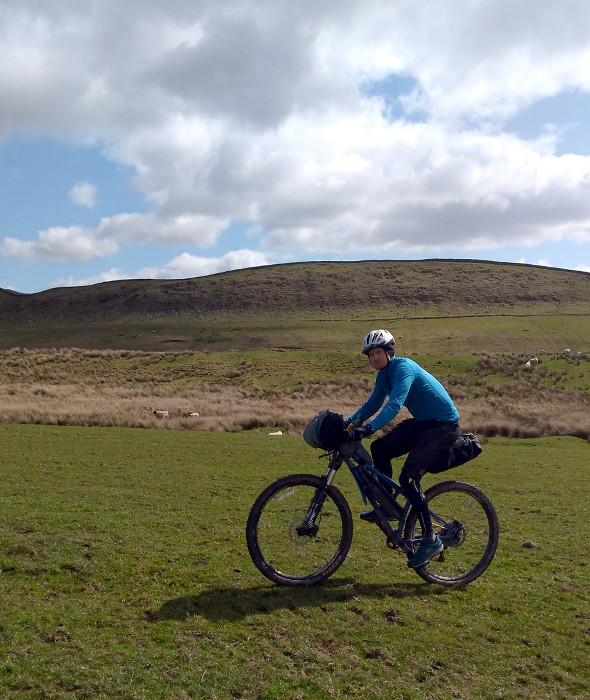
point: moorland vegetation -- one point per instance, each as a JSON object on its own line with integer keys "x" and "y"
{"x": 268, "y": 347}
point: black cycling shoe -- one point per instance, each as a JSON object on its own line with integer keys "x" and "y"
{"x": 370, "y": 516}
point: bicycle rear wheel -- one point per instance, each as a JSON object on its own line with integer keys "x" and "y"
{"x": 466, "y": 521}
{"x": 299, "y": 531}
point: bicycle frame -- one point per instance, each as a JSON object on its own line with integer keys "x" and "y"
{"x": 293, "y": 544}
{"x": 357, "y": 459}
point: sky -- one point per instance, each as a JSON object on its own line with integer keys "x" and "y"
{"x": 179, "y": 138}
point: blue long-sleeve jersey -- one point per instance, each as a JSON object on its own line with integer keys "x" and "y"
{"x": 406, "y": 384}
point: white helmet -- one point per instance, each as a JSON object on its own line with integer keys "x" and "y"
{"x": 378, "y": 339}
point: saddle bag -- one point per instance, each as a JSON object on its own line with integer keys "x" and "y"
{"x": 465, "y": 448}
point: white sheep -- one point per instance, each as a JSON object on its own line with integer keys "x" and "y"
{"x": 162, "y": 414}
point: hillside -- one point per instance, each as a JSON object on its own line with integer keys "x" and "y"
{"x": 125, "y": 313}
{"x": 112, "y": 354}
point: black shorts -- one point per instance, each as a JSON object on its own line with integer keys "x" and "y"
{"x": 425, "y": 443}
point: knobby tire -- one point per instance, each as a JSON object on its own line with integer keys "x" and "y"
{"x": 281, "y": 545}
{"x": 469, "y": 551}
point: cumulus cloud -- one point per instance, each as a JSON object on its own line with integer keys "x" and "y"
{"x": 59, "y": 245}
{"x": 271, "y": 112}
{"x": 180, "y": 267}
{"x": 83, "y": 194}
{"x": 79, "y": 244}
{"x": 487, "y": 60}
{"x": 108, "y": 276}
{"x": 186, "y": 265}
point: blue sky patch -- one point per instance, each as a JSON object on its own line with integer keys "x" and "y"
{"x": 568, "y": 113}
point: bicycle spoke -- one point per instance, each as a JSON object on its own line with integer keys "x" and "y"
{"x": 466, "y": 522}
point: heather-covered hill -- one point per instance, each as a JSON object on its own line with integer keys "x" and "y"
{"x": 124, "y": 314}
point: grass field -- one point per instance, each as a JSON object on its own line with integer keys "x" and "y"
{"x": 530, "y": 333}
{"x": 125, "y": 574}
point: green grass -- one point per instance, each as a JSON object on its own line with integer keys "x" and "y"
{"x": 279, "y": 370}
{"x": 527, "y": 334}
{"x": 125, "y": 574}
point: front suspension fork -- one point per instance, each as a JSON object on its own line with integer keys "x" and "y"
{"x": 309, "y": 526}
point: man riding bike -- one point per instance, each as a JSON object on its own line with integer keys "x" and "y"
{"x": 425, "y": 438}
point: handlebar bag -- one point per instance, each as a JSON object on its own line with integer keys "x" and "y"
{"x": 326, "y": 431}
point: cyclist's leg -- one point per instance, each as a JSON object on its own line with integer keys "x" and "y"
{"x": 431, "y": 545}
{"x": 413, "y": 490}
{"x": 395, "y": 443}
{"x": 432, "y": 440}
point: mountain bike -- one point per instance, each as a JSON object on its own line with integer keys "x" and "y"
{"x": 299, "y": 530}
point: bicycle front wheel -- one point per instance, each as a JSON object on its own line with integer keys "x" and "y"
{"x": 299, "y": 530}
{"x": 466, "y": 522}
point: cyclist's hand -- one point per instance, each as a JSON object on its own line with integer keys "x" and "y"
{"x": 360, "y": 432}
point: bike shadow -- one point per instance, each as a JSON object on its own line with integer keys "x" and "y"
{"x": 234, "y": 604}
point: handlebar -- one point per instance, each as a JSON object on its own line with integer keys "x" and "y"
{"x": 353, "y": 430}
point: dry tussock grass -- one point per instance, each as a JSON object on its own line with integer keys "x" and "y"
{"x": 33, "y": 390}
{"x": 220, "y": 408}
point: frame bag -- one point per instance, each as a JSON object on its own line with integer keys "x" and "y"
{"x": 465, "y": 448}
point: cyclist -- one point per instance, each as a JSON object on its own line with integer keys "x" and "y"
{"x": 425, "y": 437}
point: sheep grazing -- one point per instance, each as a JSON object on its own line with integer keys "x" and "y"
{"x": 162, "y": 414}
{"x": 529, "y": 363}
{"x": 566, "y": 352}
